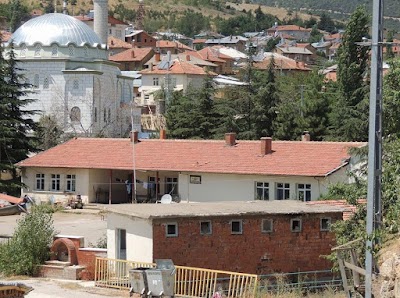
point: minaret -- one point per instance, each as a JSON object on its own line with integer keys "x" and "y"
{"x": 140, "y": 16}
{"x": 101, "y": 19}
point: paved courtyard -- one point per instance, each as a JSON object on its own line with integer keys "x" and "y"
{"x": 88, "y": 223}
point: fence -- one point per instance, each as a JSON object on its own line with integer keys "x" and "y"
{"x": 189, "y": 281}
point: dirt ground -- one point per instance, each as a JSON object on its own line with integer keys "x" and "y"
{"x": 46, "y": 288}
{"x": 87, "y": 223}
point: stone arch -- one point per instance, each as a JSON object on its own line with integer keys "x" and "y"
{"x": 63, "y": 249}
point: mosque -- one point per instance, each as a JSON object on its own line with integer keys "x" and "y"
{"x": 67, "y": 65}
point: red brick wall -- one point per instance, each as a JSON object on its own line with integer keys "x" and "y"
{"x": 250, "y": 252}
{"x": 87, "y": 258}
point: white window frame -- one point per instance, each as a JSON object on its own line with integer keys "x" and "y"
{"x": 40, "y": 181}
{"x": 300, "y": 225}
{"x": 263, "y": 186}
{"x": 240, "y": 226}
{"x": 70, "y": 182}
{"x": 167, "y": 234}
{"x": 284, "y": 188}
{"x": 208, "y": 223}
{"x": 171, "y": 182}
{"x": 55, "y": 182}
{"x": 271, "y": 223}
{"x": 329, "y": 223}
{"x": 156, "y": 82}
{"x": 303, "y": 190}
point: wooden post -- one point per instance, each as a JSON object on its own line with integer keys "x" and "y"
{"x": 343, "y": 274}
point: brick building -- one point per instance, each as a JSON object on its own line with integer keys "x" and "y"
{"x": 251, "y": 237}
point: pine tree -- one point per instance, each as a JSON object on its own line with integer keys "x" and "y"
{"x": 15, "y": 122}
{"x": 265, "y": 102}
{"x": 350, "y": 112}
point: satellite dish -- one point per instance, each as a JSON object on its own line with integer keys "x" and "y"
{"x": 166, "y": 199}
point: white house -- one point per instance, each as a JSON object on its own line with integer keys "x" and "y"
{"x": 102, "y": 170}
{"x": 177, "y": 74}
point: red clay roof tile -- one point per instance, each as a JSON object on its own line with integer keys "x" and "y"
{"x": 290, "y": 158}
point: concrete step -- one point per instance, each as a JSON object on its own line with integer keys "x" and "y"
{"x": 58, "y": 263}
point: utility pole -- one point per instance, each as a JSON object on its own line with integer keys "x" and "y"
{"x": 374, "y": 202}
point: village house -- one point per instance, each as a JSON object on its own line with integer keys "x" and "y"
{"x": 282, "y": 64}
{"x": 251, "y": 237}
{"x": 234, "y": 42}
{"x": 170, "y": 75}
{"x": 224, "y": 62}
{"x": 116, "y": 45}
{"x": 101, "y": 169}
{"x": 132, "y": 59}
{"x": 292, "y": 31}
{"x": 297, "y": 53}
{"x": 115, "y": 27}
{"x": 174, "y": 47}
{"x": 140, "y": 38}
{"x": 186, "y": 56}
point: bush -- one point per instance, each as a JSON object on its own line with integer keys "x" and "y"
{"x": 30, "y": 244}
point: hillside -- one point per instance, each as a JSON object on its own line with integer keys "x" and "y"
{"x": 391, "y": 8}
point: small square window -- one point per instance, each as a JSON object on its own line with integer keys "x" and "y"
{"x": 236, "y": 227}
{"x": 205, "y": 228}
{"x": 325, "y": 224}
{"x": 171, "y": 230}
{"x": 295, "y": 225}
{"x": 267, "y": 226}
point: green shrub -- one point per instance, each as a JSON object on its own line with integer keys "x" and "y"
{"x": 29, "y": 246}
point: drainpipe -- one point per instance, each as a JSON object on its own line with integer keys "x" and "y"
{"x": 110, "y": 189}
{"x": 157, "y": 186}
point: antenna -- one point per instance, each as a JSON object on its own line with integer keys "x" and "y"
{"x": 166, "y": 199}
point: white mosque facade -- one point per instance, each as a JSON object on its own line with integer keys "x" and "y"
{"x": 67, "y": 65}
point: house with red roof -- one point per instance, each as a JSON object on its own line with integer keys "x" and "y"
{"x": 213, "y": 54}
{"x": 133, "y": 58}
{"x": 282, "y": 64}
{"x": 116, "y": 45}
{"x": 116, "y": 27}
{"x": 177, "y": 74}
{"x": 174, "y": 47}
{"x": 290, "y": 32}
{"x": 106, "y": 170}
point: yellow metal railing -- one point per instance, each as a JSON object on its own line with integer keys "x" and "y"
{"x": 189, "y": 281}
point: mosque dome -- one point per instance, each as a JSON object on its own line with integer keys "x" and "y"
{"x": 55, "y": 28}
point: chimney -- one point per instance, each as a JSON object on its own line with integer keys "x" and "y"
{"x": 230, "y": 139}
{"x": 163, "y": 134}
{"x": 305, "y": 137}
{"x": 157, "y": 57}
{"x": 187, "y": 57}
{"x": 151, "y": 66}
{"x": 134, "y": 135}
{"x": 133, "y": 54}
{"x": 266, "y": 145}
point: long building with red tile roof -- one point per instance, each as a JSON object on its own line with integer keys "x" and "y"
{"x": 201, "y": 170}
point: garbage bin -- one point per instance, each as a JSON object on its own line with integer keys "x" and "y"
{"x": 138, "y": 281}
{"x": 161, "y": 280}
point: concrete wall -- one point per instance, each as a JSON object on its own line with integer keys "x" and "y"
{"x": 139, "y": 237}
{"x": 225, "y": 187}
{"x": 252, "y": 251}
{"x": 82, "y": 184}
